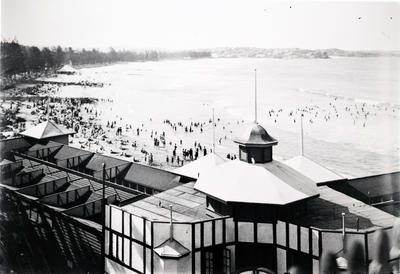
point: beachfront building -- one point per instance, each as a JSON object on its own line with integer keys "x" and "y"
{"x": 47, "y": 131}
{"x": 214, "y": 216}
{"x": 52, "y": 214}
{"x": 67, "y": 69}
{"x": 250, "y": 214}
{"x": 51, "y": 196}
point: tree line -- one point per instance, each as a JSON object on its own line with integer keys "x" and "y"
{"x": 17, "y": 58}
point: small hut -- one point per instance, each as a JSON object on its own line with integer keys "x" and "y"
{"x": 67, "y": 69}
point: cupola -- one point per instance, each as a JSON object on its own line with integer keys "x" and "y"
{"x": 255, "y": 144}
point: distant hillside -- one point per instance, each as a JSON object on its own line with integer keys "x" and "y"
{"x": 294, "y": 53}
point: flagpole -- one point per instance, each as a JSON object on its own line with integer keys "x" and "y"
{"x": 301, "y": 136}
{"x": 213, "y": 121}
{"x": 255, "y": 95}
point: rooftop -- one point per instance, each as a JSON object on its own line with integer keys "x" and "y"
{"x": 49, "y": 144}
{"x": 67, "y": 191}
{"x": 313, "y": 170}
{"x": 67, "y": 68}
{"x": 151, "y": 177}
{"x": 268, "y": 183}
{"x": 67, "y": 152}
{"x": 201, "y": 165}
{"x": 377, "y": 185}
{"x": 325, "y": 212}
{"x": 46, "y": 130}
{"x": 5, "y": 162}
{"x": 96, "y": 162}
{"x": 171, "y": 249}
{"x": 256, "y": 135}
{"x": 188, "y": 205}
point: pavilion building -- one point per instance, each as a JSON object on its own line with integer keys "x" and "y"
{"x": 214, "y": 216}
{"x": 250, "y": 214}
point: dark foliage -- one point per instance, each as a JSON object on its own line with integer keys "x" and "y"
{"x": 16, "y": 58}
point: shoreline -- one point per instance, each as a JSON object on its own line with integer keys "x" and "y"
{"x": 94, "y": 135}
{"x": 138, "y": 107}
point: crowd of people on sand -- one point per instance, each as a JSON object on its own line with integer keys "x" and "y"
{"x": 111, "y": 137}
{"x": 149, "y": 145}
{"x": 175, "y": 142}
{"x": 83, "y": 83}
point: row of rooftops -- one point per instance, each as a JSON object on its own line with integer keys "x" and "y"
{"x": 147, "y": 176}
{"x": 324, "y": 212}
{"x": 269, "y": 182}
{"x": 63, "y": 190}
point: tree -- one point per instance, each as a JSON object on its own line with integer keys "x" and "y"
{"x": 34, "y": 60}
{"x": 59, "y": 57}
{"x": 48, "y": 58}
{"x": 73, "y": 56}
{"x": 12, "y": 58}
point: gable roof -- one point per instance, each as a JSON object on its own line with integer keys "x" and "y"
{"x": 49, "y": 144}
{"x": 313, "y": 170}
{"x": 151, "y": 177}
{"x": 67, "y": 152}
{"x": 46, "y": 129}
{"x": 96, "y": 162}
{"x": 271, "y": 183}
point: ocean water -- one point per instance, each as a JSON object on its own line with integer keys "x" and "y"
{"x": 351, "y": 106}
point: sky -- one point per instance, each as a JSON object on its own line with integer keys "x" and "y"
{"x": 196, "y": 24}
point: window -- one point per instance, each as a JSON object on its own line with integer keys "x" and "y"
{"x": 149, "y": 190}
{"x": 227, "y": 260}
{"x": 34, "y": 216}
{"x": 116, "y": 246}
{"x": 209, "y": 262}
{"x": 141, "y": 188}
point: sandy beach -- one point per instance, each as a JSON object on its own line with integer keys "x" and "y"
{"x": 159, "y": 123}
